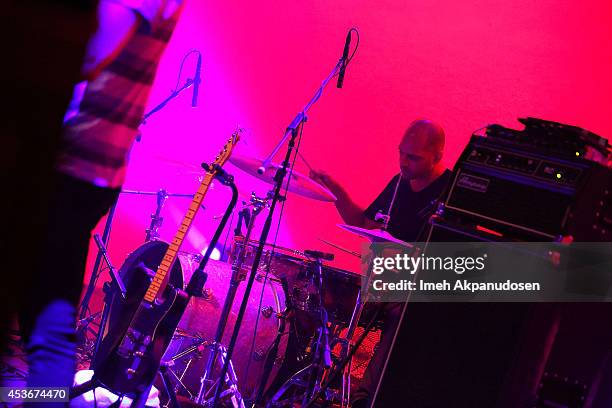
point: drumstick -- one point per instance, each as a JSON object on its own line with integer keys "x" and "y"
{"x": 348, "y": 251}
{"x": 305, "y": 162}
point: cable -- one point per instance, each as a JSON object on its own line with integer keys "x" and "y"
{"x": 353, "y": 29}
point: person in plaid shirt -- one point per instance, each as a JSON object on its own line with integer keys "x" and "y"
{"x": 100, "y": 127}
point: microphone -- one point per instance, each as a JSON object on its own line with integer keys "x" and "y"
{"x": 196, "y": 82}
{"x": 347, "y": 44}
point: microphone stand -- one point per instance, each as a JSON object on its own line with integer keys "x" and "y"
{"x": 163, "y": 103}
{"x": 300, "y": 118}
{"x": 291, "y": 135}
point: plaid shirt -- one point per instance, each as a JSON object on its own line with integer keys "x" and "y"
{"x": 107, "y": 111}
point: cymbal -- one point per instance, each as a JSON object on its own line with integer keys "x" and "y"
{"x": 299, "y": 184}
{"x": 374, "y": 235}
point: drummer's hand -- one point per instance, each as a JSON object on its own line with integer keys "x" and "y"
{"x": 321, "y": 177}
{"x": 387, "y": 252}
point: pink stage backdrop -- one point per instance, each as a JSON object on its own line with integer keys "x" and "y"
{"x": 464, "y": 64}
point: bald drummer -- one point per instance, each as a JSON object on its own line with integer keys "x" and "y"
{"x": 407, "y": 201}
{"x": 421, "y": 180}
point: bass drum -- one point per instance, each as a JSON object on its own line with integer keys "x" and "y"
{"x": 260, "y": 327}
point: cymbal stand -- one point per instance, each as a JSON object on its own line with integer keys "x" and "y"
{"x": 238, "y": 275}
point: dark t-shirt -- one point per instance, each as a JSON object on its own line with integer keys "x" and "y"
{"x": 411, "y": 209}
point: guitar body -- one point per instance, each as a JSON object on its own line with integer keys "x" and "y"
{"x": 137, "y": 336}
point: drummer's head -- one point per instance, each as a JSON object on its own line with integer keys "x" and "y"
{"x": 421, "y": 149}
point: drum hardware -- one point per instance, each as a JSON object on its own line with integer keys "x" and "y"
{"x": 348, "y": 345}
{"x": 267, "y": 311}
{"x": 202, "y": 317}
{"x": 279, "y": 248}
{"x": 322, "y": 351}
{"x": 341, "y": 288}
{"x": 272, "y": 357}
{"x": 165, "y": 374}
{"x": 195, "y": 352}
{"x": 345, "y": 348}
{"x": 339, "y": 368}
{"x": 374, "y": 235}
{"x": 348, "y": 251}
{"x": 218, "y": 351}
{"x": 342, "y": 366}
{"x": 310, "y": 378}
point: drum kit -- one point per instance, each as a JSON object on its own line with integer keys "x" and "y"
{"x": 301, "y": 318}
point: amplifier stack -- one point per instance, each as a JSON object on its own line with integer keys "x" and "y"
{"x": 538, "y": 184}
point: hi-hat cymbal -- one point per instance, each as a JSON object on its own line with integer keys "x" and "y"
{"x": 374, "y": 235}
{"x": 299, "y": 184}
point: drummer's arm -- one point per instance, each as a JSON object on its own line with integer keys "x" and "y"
{"x": 350, "y": 212}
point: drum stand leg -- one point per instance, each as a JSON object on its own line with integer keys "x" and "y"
{"x": 164, "y": 372}
{"x": 299, "y": 379}
{"x": 216, "y": 347}
{"x": 231, "y": 379}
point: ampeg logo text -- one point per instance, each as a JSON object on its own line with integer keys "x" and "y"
{"x": 473, "y": 183}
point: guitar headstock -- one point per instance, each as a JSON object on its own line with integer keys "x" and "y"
{"x": 226, "y": 152}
